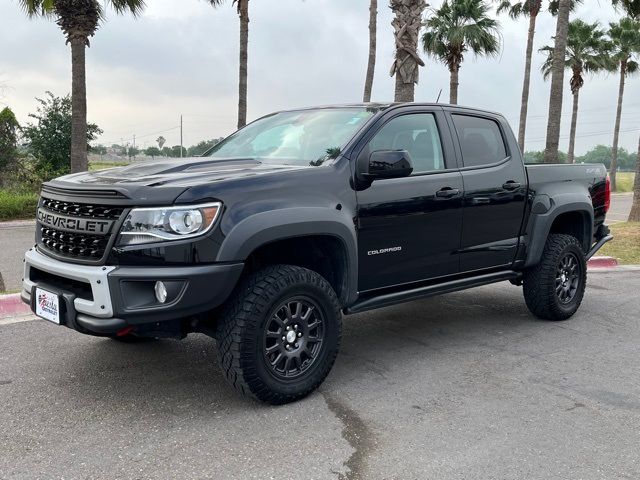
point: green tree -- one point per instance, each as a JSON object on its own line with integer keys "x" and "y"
{"x": 406, "y": 24}
{"x": 175, "y": 151}
{"x": 243, "y": 13}
{"x": 603, "y": 153}
{"x": 625, "y": 36}
{"x": 587, "y": 52}
{"x": 9, "y": 128}
{"x": 78, "y": 20}
{"x": 456, "y": 27}
{"x": 203, "y": 146}
{"x": 153, "y": 152}
{"x": 371, "y": 64}
{"x": 49, "y": 136}
{"x": 557, "y": 81}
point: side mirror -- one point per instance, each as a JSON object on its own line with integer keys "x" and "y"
{"x": 389, "y": 164}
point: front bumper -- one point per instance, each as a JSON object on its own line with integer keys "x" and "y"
{"x": 104, "y": 300}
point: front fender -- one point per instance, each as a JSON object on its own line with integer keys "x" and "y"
{"x": 267, "y": 227}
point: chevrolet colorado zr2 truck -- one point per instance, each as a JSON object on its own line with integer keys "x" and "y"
{"x": 302, "y": 216}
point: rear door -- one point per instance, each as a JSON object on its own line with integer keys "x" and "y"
{"x": 409, "y": 228}
{"x": 495, "y": 189}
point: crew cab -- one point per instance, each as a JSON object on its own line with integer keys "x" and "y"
{"x": 304, "y": 216}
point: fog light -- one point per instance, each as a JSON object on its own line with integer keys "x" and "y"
{"x": 161, "y": 292}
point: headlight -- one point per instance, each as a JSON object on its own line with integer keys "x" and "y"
{"x": 147, "y": 225}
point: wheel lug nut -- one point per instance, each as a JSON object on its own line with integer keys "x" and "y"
{"x": 299, "y": 334}
{"x": 296, "y": 345}
{"x": 288, "y": 327}
{"x": 295, "y": 327}
{"x": 284, "y": 338}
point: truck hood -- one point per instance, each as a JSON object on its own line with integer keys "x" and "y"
{"x": 162, "y": 180}
{"x": 184, "y": 172}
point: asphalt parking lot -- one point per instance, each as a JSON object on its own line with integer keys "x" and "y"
{"x": 467, "y": 385}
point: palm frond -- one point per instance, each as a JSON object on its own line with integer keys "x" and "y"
{"x": 459, "y": 26}
{"x": 135, "y": 7}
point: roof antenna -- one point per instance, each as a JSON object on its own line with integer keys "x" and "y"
{"x": 439, "y": 93}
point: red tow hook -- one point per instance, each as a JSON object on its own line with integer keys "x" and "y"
{"x": 124, "y": 331}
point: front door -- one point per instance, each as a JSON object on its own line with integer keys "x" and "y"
{"x": 409, "y": 228}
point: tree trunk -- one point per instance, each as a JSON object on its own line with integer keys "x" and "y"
{"x": 616, "y": 130}
{"x": 79, "y": 161}
{"x": 634, "y": 216}
{"x": 243, "y": 10}
{"x": 557, "y": 82}
{"x": 407, "y": 23}
{"x": 453, "y": 85}
{"x": 371, "y": 67}
{"x": 574, "y": 122}
{"x": 524, "y": 105}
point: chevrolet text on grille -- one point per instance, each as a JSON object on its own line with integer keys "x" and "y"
{"x": 98, "y": 227}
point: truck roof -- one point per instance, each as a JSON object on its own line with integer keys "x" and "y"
{"x": 386, "y": 105}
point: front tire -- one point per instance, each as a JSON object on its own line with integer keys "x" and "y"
{"x": 553, "y": 289}
{"x": 279, "y": 334}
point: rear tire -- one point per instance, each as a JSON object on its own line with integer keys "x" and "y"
{"x": 279, "y": 334}
{"x": 553, "y": 289}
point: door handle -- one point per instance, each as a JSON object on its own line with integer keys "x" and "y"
{"x": 447, "y": 192}
{"x": 511, "y": 185}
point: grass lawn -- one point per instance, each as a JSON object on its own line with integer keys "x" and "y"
{"x": 15, "y": 205}
{"x": 104, "y": 165}
{"x": 625, "y": 245}
{"x": 624, "y": 181}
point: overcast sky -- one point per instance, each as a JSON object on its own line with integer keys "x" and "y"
{"x": 181, "y": 57}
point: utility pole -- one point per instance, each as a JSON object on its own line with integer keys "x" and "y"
{"x": 134, "y": 146}
{"x": 180, "y": 136}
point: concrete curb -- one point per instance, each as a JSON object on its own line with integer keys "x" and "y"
{"x": 17, "y": 224}
{"x": 13, "y": 306}
{"x": 602, "y": 262}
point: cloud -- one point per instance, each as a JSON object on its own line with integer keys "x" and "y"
{"x": 142, "y": 74}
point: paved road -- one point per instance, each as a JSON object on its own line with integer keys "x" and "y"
{"x": 463, "y": 386}
{"x": 620, "y": 207}
{"x": 16, "y": 239}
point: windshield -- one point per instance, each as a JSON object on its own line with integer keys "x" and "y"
{"x": 308, "y": 137}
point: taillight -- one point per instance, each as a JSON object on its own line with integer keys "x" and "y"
{"x": 607, "y": 194}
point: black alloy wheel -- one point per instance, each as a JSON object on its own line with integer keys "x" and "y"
{"x": 293, "y": 337}
{"x": 567, "y": 278}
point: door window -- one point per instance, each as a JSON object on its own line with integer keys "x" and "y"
{"x": 480, "y": 140}
{"x": 415, "y": 133}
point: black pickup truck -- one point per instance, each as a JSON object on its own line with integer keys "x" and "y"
{"x": 305, "y": 215}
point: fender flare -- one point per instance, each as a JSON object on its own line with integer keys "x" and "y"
{"x": 545, "y": 210}
{"x": 267, "y": 227}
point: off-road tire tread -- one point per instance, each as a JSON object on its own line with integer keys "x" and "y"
{"x": 242, "y": 314}
{"x": 539, "y": 281}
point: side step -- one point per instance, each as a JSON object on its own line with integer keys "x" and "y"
{"x": 387, "y": 299}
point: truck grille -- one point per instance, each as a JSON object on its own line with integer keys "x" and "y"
{"x": 77, "y": 245}
{"x": 74, "y": 209}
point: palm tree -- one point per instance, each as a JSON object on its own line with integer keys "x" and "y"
{"x": 406, "y": 23}
{"x": 79, "y": 21}
{"x": 243, "y": 13}
{"x": 587, "y": 52}
{"x": 456, "y": 27}
{"x": 371, "y": 67}
{"x": 625, "y": 36}
{"x": 531, "y": 9}
{"x": 632, "y": 8}
{"x": 557, "y": 81}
